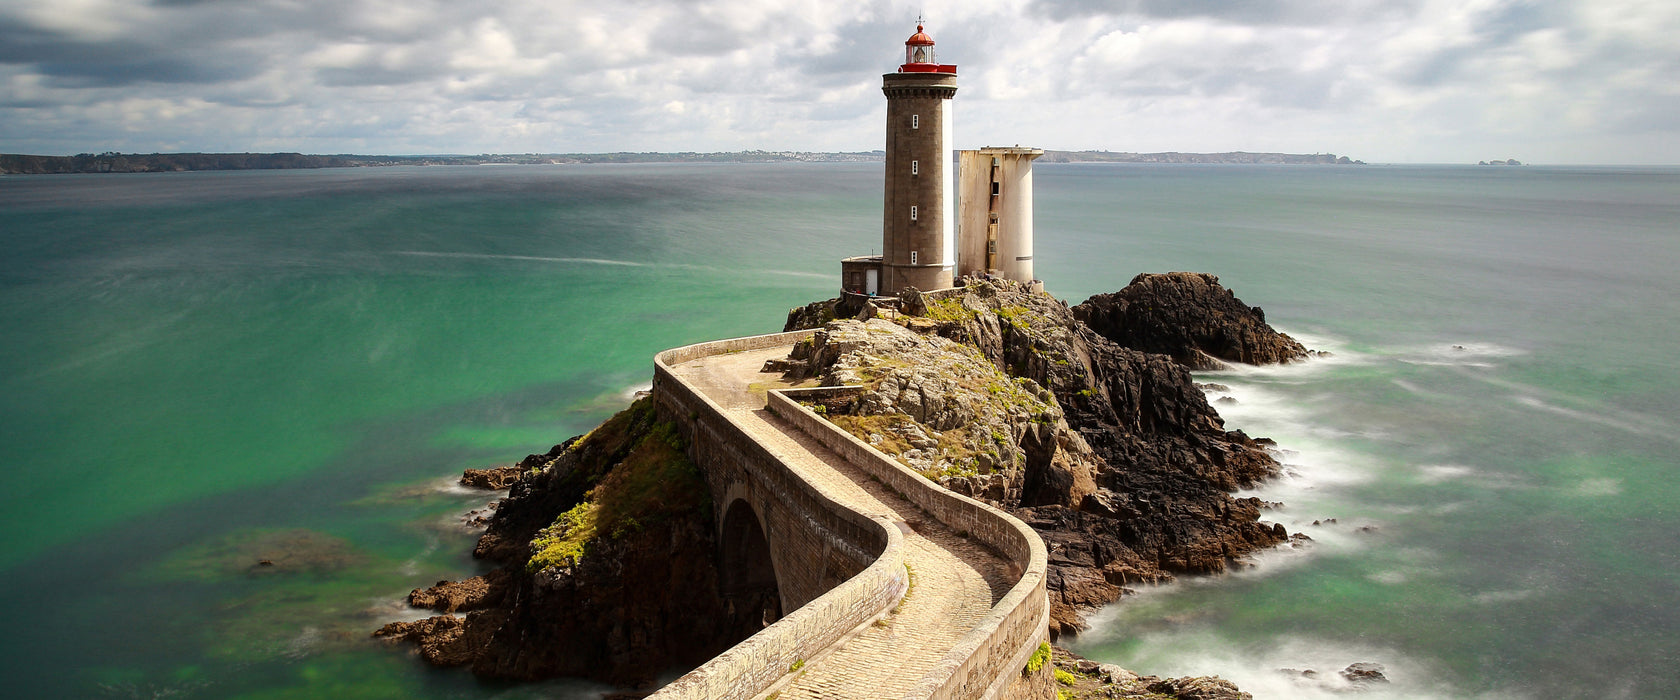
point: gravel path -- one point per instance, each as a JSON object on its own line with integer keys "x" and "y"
{"x": 954, "y": 582}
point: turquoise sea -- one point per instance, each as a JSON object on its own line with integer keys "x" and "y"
{"x": 203, "y": 370}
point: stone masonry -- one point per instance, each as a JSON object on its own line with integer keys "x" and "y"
{"x": 890, "y": 585}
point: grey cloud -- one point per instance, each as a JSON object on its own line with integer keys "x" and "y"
{"x": 1491, "y": 31}
{"x": 1644, "y": 113}
{"x": 189, "y": 3}
{"x": 78, "y": 63}
{"x": 1517, "y": 19}
{"x": 426, "y": 77}
{"x": 371, "y": 75}
{"x": 1294, "y": 12}
{"x": 860, "y": 50}
{"x": 146, "y": 70}
{"x": 693, "y": 34}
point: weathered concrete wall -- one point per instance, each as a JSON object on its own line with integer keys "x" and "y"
{"x": 995, "y": 226}
{"x": 836, "y": 569}
{"x": 989, "y": 661}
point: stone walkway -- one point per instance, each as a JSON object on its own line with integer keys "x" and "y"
{"x": 954, "y": 584}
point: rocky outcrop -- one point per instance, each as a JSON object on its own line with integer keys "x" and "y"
{"x": 819, "y": 313}
{"x": 462, "y": 596}
{"x": 812, "y": 315}
{"x": 950, "y": 413}
{"x": 443, "y": 640}
{"x": 1105, "y": 448}
{"x": 1187, "y": 316}
{"x": 1078, "y": 678}
{"x": 494, "y": 478}
{"x": 1112, "y": 454}
{"x": 607, "y": 571}
{"x": 1364, "y": 673}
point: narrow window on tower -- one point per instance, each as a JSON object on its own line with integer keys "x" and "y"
{"x": 912, "y": 257}
{"x": 915, "y": 121}
{"x": 994, "y": 189}
{"x": 912, "y": 215}
{"x": 915, "y": 167}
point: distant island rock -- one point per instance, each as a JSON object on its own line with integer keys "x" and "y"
{"x": 1510, "y": 161}
{"x": 113, "y": 162}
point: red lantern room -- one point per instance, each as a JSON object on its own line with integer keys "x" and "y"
{"x": 918, "y": 55}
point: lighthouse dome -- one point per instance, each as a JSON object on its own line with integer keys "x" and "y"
{"x": 918, "y": 51}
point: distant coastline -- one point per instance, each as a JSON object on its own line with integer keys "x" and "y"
{"x": 111, "y": 162}
{"x": 1231, "y": 157}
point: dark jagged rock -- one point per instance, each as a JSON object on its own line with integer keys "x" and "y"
{"x": 633, "y": 607}
{"x": 1110, "y": 452}
{"x": 1189, "y": 317}
{"x": 1084, "y": 679}
{"x": 1127, "y": 472}
{"x": 444, "y": 640}
{"x": 1364, "y": 673}
{"x": 462, "y": 596}
{"x": 812, "y": 315}
{"x": 620, "y": 603}
{"x": 494, "y": 478}
{"x": 819, "y": 313}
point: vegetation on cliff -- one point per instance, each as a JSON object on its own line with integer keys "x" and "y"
{"x": 607, "y": 550}
{"x": 1110, "y": 452}
{"x": 653, "y": 482}
{"x": 1071, "y": 418}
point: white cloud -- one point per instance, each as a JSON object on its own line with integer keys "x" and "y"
{"x": 1429, "y": 80}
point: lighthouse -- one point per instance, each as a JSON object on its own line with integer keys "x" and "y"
{"x": 929, "y": 233}
{"x": 918, "y": 228}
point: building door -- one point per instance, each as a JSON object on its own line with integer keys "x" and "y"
{"x": 872, "y": 287}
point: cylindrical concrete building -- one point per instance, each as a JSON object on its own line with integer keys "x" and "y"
{"x": 995, "y": 230}
{"x": 918, "y": 228}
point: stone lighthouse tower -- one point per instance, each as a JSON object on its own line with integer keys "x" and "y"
{"x": 918, "y": 228}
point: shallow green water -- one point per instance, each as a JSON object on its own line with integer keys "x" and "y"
{"x": 204, "y": 368}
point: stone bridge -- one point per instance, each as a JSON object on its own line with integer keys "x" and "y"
{"x": 876, "y": 582}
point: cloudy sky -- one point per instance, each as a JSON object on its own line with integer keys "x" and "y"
{"x": 1554, "y": 81}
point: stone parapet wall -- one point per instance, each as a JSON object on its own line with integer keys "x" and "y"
{"x": 989, "y": 661}
{"x": 820, "y": 537}
{"x": 687, "y": 353}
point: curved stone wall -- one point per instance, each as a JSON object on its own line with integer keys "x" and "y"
{"x": 819, "y": 611}
{"x": 987, "y": 662}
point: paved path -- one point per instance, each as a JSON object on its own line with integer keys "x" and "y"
{"x": 954, "y": 582}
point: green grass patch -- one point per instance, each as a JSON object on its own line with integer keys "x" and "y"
{"x": 947, "y": 310}
{"x": 566, "y": 541}
{"x": 866, "y": 426}
{"x": 643, "y": 478}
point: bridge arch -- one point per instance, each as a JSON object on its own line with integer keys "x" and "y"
{"x": 747, "y": 571}
{"x": 836, "y": 567}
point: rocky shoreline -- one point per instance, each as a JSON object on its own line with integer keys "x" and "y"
{"x": 1092, "y": 433}
{"x": 605, "y": 553}
{"x": 1083, "y": 421}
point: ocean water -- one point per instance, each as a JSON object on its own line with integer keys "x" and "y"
{"x": 201, "y": 370}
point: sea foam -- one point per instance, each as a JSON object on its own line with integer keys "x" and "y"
{"x": 1297, "y": 667}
